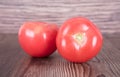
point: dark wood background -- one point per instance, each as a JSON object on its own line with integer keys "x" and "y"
{"x": 15, "y": 63}
{"x": 104, "y": 13}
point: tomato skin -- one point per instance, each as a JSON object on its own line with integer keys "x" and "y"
{"x": 38, "y": 38}
{"x": 78, "y": 40}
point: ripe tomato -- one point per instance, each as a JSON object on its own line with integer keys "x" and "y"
{"x": 78, "y": 40}
{"x": 38, "y": 38}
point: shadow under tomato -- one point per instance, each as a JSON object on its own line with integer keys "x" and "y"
{"x": 52, "y": 59}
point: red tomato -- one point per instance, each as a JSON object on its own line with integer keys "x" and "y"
{"x": 38, "y": 38}
{"x": 78, "y": 40}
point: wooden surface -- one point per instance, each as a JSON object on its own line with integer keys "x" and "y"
{"x": 104, "y": 13}
{"x": 15, "y": 63}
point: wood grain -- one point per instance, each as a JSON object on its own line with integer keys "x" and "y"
{"x": 10, "y": 54}
{"x": 115, "y": 41}
{"x": 15, "y": 63}
{"x": 104, "y": 13}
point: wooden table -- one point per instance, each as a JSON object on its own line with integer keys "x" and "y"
{"x": 15, "y": 63}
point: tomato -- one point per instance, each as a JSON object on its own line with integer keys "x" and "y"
{"x": 38, "y": 38}
{"x": 79, "y": 40}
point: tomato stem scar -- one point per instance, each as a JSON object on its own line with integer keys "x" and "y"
{"x": 80, "y": 38}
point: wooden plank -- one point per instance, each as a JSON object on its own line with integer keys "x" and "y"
{"x": 10, "y": 54}
{"x": 104, "y": 13}
{"x": 15, "y": 63}
{"x": 114, "y": 39}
